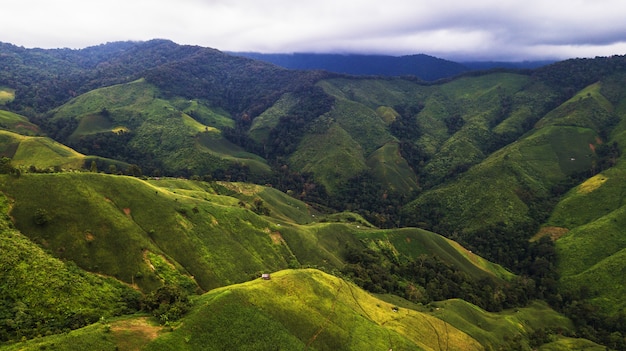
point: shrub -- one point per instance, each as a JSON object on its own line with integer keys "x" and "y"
{"x": 41, "y": 216}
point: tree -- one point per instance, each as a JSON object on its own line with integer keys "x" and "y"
{"x": 41, "y": 216}
{"x": 167, "y": 303}
{"x": 5, "y": 166}
{"x": 94, "y": 167}
{"x": 134, "y": 170}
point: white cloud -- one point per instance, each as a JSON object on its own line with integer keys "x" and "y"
{"x": 486, "y": 29}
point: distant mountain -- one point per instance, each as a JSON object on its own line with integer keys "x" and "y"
{"x": 422, "y": 66}
{"x": 483, "y": 65}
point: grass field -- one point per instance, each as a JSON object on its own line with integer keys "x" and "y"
{"x": 182, "y": 134}
{"x": 309, "y": 309}
{"x": 333, "y": 156}
{"x": 18, "y": 124}
{"x": 6, "y": 95}
{"x": 392, "y": 170}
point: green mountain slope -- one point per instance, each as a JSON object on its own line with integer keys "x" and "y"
{"x": 521, "y": 174}
{"x": 130, "y": 122}
{"x": 15, "y": 123}
{"x": 309, "y": 309}
{"x": 119, "y": 225}
{"x": 41, "y": 294}
{"x": 45, "y": 154}
{"x": 591, "y": 243}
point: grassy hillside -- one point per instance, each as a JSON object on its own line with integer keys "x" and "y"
{"x": 15, "y": 123}
{"x": 309, "y": 309}
{"x": 414, "y": 242}
{"x": 108, "y": 224}
{"x": 41, "y": 294}
{"x": 333, "y": 157}
{"x": 520, "y": 174}
{"x": 130, "y": 122}
{"x": 591, "y": 244}
{"x": 392, "y": 170}
{"x": 6, "y": 95}
{"x": 41, "y": 152}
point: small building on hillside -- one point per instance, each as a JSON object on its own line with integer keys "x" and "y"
{"x": 265, "y": 276}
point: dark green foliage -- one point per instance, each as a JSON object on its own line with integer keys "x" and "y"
{"x": 312, "y": 103}
{"x": 260, "y": 208}
{"x": 168, "y": 303}
{"x": 362, "y": 194}
{"x": 427, "y": 278}
{"x": 454, "y": 123}
{"x": 422, "y": 66}
{"x": 41, "y": 295}
{"x": 5, "y": 166}
{"x": 405, "y": 127}
{"x": 41, "y": 216}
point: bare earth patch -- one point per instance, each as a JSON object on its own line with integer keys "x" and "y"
{"x": 553, "y": 232}
{"x": 277, "y": 239}
{"x": 133, "y": 334}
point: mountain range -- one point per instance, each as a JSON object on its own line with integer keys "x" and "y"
{"x": 147, "y": 186}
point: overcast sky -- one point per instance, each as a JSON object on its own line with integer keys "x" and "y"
{"x": 511, "y": 30}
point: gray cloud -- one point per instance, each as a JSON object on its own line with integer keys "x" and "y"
{"x": 456, "y": 29}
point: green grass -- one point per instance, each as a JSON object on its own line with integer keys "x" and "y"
{"x": 392, "y": 170}
{"x": 588, "y": 109}
{"x": 18, "y": 124}
{"x": 413, "y": 242}
{"x": 571, "y": 344}
{"x": 6, "y": 95}
{"x": 203, "y": 113}
{"x": 125, "y": 216}
{"x": 333, "y": 157}
{"x": 41, "y": 294}
{"x": 489, "y": 193}
{"x": 592, "y": 249}
{"x": 108, "y": 224}
{"x": 362, "y": 123}
{"x": 303, "y": 309}
{"x": 41, "y": 152}
{"x": 183, "y": 134}
{"x": 111, "y": 98}
{"x": 495, "y": 329}
{"x": 309, "y": 309}
{"x": 266, "y": 121}
{"x": 93, "y": 124}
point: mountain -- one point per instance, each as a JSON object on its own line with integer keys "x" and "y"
{"x": 422, "y": 66}
{"x": 485, "y": 65}
{"x": 184, "y": 173}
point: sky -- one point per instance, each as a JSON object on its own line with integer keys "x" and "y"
{"x": 460, "y": 30}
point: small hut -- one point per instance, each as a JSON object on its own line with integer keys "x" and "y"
{"x": 265, "y": 276}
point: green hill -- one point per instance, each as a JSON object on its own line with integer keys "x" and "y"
{"x": 15, "y": 123}
{"x": 42, "y": 295}
{"x": 6, "y": 95}
{"x": 118, "y": 225}
{"x": 309, "y": 309}
{"x": 130, "y": 122}
{"x": 43, "y": 153}
{"x": 590, "y": 244}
